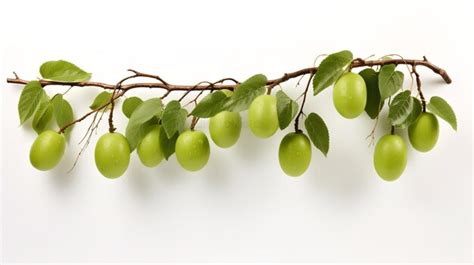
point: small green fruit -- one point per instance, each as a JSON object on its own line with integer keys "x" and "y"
{"x": 390, "y": 157}
{"x": 47, "y": 150}
{"x": 263, "y": 116}
{"x": 225, "y": 128}
{"x": 192, "y": 150}
{"x": 350, "y": 95}
{"x": 149, "y": 149}
{"x": 424, "y": 132}
{"x": 112, "y": 155}
{"x": 294, "y": 154}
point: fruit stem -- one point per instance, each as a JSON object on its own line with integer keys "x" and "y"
{"x": 392, "y": 130}
{"x": 302, "y": 103}
{"x": 194, "y": 122}
{"x": 418, "y": 86}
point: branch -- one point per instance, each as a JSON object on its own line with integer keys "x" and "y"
{"x": 271, "y": 83}
{"x": 119, "y": 89}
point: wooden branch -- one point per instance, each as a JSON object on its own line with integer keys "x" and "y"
{"x": 218, "y": 85}
{"x": 271, "y": 83}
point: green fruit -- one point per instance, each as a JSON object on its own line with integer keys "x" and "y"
{"x": 225, "y": 128}
{"x": 423, "y": 133}
{"x": 47, "y": 150}
{"x": 350, "y": 95}
{"x": 149, "y": 149}
{"x": 263, "y": 117}
{"x": 390, "y": 157}
{"x": 294, "y": 154}
{"x": 112, "y": 155}
{"x": 192, "y": 150}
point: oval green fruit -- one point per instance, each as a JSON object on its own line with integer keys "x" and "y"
{"x": 225, "y": 128}
{"x": 390, "y": 157}
{"x": 424, "y": 132}
{"x": 112, "y": 155}
{"x": 350, "y": 95}
{"x": 47, "y": 150}
{"x": 263, "y": 116}
{"x": 294, "y": 154}
{"x": 192, "y": 150}
{"x": 149, "y": 148}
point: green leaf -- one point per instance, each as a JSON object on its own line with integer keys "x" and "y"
{"x": 374, "y": 102}
{"x": 63, "y": 71}
{"x": 390, "y": 81}
{"x": 168, "y": 144}
{"x": 245, "y": 93}
{"x": 400, "y": 108}
{"x": 142, "y": 114}
{"x": 330, "y": 69}
{"x": 29, "y": 100}
{"x": 318, "y": 132}
{"x": 415, "y": 112}
{"x": 442, "y": 109}
{"x": 100, "y": 100}
{"x": 43, "y": 117}
{"x": 174, "y": 118}
{"x": 210, "y": 105}
{"x": 130, "y": 104}
{"x": 145, "y": 128}
{"x": 286, "y": 108}
{"x": 62, "y": 112}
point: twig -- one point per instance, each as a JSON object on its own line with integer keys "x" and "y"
{"x": 272, "y": 82}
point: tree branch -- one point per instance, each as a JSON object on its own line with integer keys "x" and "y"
{"x": 271, "y": 83}
{"x": 120, "y": 89}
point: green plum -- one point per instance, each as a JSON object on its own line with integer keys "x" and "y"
{"x": 390, "y": 157}
{"x": 112, "y": 155}
{"x": 262, "y": 116}
{"x": 47, "y": 150}
{"x": 294, "y": 154}
{"x": 350, "y": 95}
{"x": 192, "y": 150}
{"x": 225, "y": 128}
{"x": 149, "y": 148}
{"x": 423, "y": 133}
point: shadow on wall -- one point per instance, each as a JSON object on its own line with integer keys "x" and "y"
{"x": 342, "y": 175}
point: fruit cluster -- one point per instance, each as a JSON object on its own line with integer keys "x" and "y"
{"x": 158, "y": 130}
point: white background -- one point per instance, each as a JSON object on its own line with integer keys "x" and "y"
{"x": 241, "y": 207}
